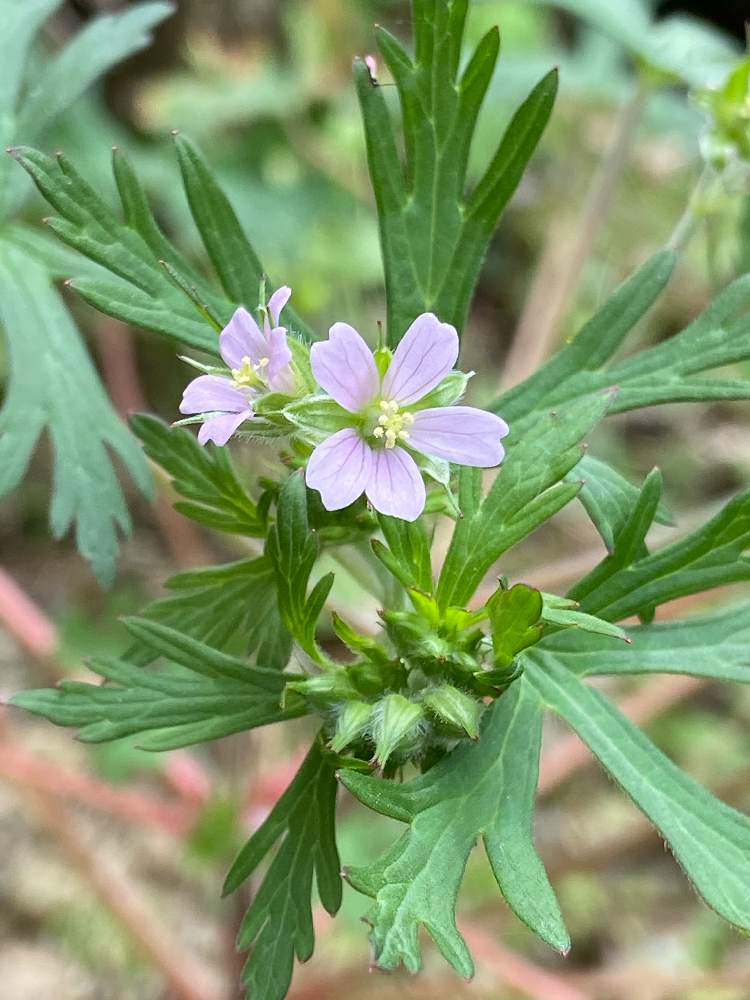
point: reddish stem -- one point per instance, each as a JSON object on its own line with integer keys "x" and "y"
{"x": 26, "y": 770}
{"x": 186, "y": 978}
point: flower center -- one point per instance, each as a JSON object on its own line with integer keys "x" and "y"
{"x": 250, "y": 375}
{"x": 392, "y": 425}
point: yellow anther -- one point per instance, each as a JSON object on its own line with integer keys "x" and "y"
{"x": 250, "y": 374}
{"x": 392, "y": 424}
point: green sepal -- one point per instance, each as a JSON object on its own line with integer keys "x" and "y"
{"x": 351, "y": 723}
{"x": 317, "y": 417}
{"x": 456, "y": 708}
{"x": 450, "y": 391}
{"x": 395, "y": 722}
{"x": 324, "y": 689}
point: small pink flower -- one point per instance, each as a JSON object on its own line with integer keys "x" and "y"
{"x": 372, "y": 455}
{"x": 258, "y": 361}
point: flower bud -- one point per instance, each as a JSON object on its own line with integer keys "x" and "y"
{"x": 395, "y": 720}
{"x": 456, "y": 708}
{"x": 324, "y": 689}
{"x": 351, "y": 723}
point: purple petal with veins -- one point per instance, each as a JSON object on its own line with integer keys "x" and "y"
{"x": 460, "y": 434}
{"x": 395, "y": 485}
{"x": 344, "y": 366}
{"x": 221, "y": 426}
{"x": 340, "y": 468}
{"x": 213, "y": 392}
{"x": 277, "y": 302}
{"x": 280, "y": 378}
{"x": 242, "y": 338}
{"x": 427, "y": 352}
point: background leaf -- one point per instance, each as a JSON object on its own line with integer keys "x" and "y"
{"x": 55, "y": 387}
{"x": 98, "y": 46}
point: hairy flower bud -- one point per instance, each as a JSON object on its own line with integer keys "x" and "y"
{"x": 396, "y": 722}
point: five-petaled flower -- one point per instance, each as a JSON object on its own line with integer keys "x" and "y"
{"x": 370, "y": 456}
{"x": 258, "y": 361}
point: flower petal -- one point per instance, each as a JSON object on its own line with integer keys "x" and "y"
{"x": 339, "y": 468}
{"x": 278, "y": 373}
{"x": 212, "y": 392}
{"x": 426, "y": 354}
{"x": 344, "y": 366}
{"x": 222, "y": 426}
{"x": 277, "y": 302}
{"x": 395, "y": 486}
{"x": 460, "y": 434}
{"x": 242, "y": 338}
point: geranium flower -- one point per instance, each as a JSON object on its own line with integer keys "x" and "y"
{"x": 258, "y": 361}
{"x": 372, "y": 456}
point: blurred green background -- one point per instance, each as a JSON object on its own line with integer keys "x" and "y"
{"x": 111, "y": 859}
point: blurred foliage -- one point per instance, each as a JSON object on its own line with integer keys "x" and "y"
{"x": 281, "y": 126}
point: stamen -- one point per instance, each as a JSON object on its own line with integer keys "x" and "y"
{"x": 250, "y": 374}
{"x": 392, "y": 424}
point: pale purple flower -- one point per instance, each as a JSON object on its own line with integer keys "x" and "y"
{"x": 372, "y": 456}
{"x": 258, "y": 361}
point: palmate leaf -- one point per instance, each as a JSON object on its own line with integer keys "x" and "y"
{"x": 293, "y": 549}
{"x": 231, "y": 253}
{"x": 664, "y": 373}
{"x": 482, "y": 789}
{"x": 278, "y": 924}
{"x": 407, "y": 556}
{"x": 204, "y": 476}
{"x": 713, "y": 646}
{"x": 434, "y": 236}
{"x": 54, "y": 387}
{"x": 230, "y": 607}
{"x": 711, "y": 556}
{"x": 140, "y": 290}
{"x": 166, "y": 710}
{"x": 609, "y": 498}
{"x": 526, "y": 492}
{"x": 710, "y": 840}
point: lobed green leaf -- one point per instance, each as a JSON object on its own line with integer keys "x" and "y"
{"x": 710, "y": 840}
{"x": 278, "y": 923}
{"x": 481, "y": 789}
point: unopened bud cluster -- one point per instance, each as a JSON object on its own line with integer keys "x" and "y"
{"x": 412, "y": 697}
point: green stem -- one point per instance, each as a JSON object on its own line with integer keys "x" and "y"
{"x": 694, "y": 211}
